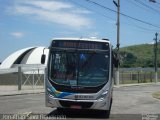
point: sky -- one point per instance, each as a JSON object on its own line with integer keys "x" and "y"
{"x": 27, "y": 23}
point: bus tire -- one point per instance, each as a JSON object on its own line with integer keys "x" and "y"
{"x": 106, "y": 113}
{"x": 60, "y": 110}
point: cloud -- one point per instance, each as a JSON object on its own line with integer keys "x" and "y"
{"x": 94, "y": 34}
{"x": 49, "y": 5}
{"x": 53, "y": 11}
{"x": 17, "y": 34}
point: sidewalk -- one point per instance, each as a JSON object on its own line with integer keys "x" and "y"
{"x": 6, "y": 90}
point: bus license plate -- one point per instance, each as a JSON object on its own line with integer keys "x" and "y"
{"x": 75, "y": 107}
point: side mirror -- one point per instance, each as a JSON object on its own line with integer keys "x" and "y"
{"x": 43, "y": 59}
{"x": 115, "y": 59}
{"x": 116, "y": 63}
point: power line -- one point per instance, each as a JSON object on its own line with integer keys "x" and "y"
{"x": 99, "y": 13}
{"x": 144, "y": 8}
{"x": 140, "y": 27}
{"x": 105, "y": 16}
{"x": 146, "y": 29}
{"x": 138, "y": 5}
{"x": 140, "y": 2}
{"x": 155, "y": 4}
{"x": 133, "y": 18}
{"x": 154, "y": 1}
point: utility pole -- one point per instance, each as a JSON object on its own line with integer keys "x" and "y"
{"x": 118, "y": 37}
{"x": 118, "y": 25}
{"x": 155, "y": 57}
{"x": 155, "y": 51}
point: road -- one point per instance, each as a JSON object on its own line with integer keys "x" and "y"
{"x": 129, "y": 103}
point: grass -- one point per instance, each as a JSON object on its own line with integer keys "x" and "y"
{"x": 156, "y": 95}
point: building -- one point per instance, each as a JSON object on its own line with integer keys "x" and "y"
{"x": 26, "y": 56}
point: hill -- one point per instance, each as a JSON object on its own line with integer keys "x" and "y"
{"x": 139, "y": 56}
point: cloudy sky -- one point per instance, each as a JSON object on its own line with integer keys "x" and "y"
{"x": 26, "y": 23}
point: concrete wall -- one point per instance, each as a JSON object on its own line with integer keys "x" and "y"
{"x": 12, "y": 79}
{"x": 9, "y": 79}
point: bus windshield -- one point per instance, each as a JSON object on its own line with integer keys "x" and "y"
{"x": 79, "y": 68}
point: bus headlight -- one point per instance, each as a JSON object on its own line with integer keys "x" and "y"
{"x": 49, "y": 91}
{"x": 103, "y": 95}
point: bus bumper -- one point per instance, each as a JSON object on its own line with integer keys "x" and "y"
{"x": 100, "y": 104}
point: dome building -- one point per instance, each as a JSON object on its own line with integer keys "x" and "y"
{"x": 26, "y": 56}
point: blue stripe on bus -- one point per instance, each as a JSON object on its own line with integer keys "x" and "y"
{"x": 60, "y": 94}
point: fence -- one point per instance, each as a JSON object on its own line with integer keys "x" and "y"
{"x": 23, "y": 77}
{"x": 137, "y": 75}
{"x": 32, "y": 76}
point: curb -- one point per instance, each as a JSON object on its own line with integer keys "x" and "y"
{"x": 24, "y": 93}
{"x": 139, "y": 84}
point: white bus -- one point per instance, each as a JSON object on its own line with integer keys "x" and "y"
{"x": 79, "y": 74}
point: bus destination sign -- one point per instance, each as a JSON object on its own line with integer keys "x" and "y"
{"x": 80, "y": 45}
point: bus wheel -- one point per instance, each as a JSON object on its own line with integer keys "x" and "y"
{"x": 106, "y": 113}
{"x": 60, "y": 110}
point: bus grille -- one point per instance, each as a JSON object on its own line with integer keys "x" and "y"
{"x": 68, "y": 104}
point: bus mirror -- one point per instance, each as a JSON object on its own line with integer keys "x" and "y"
{"x": 116, "y": 63}
{"x": 43, "y": 58}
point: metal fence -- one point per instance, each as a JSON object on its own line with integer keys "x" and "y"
{"x": 23, "y": 77}
{"x": 32, "y": 76}
{"x": 137, "y": 75}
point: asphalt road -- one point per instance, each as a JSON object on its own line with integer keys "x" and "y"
{"x": 129, "y": 103}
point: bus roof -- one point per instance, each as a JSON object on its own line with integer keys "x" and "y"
{"x": 84, "y": 39}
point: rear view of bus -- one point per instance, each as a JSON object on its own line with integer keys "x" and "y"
{"x": 79, "y": 74}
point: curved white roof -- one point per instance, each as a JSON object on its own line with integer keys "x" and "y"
{"x": 9, "y": 61}
{"x": 31, "y": 55}
{"x": 34, "y": 56}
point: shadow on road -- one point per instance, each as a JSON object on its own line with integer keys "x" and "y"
{"x": 92, "y": 114}
{"x": 76, "y": 113}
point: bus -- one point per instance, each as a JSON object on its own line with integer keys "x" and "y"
{"x": 79, "y": 74}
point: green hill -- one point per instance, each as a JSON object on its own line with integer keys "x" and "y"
{"x": 139, "y": 56}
